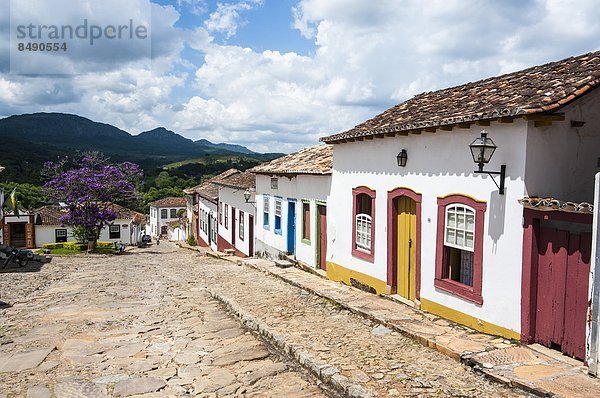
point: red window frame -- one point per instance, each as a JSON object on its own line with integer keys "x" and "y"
{"x": 442, "y": 281}
{"x": 306, "y": 221}
{"x": 356, "y": 252}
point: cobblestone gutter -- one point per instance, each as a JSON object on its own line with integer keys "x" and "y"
{"x": 334, "y": 382}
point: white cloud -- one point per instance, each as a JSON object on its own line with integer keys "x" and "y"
{"x": 369, "y": 55}
{"x": 228, "y": 17}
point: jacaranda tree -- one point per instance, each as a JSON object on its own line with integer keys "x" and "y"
{"x": 88, "y": 186}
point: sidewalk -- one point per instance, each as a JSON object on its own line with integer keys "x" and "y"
{"x": 533, "y": 368}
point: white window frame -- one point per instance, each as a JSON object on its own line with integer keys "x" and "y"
{"x": 452, "y": 209}
{"x": 364, "y": 232}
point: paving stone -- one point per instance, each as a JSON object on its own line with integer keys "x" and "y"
{"x": 163, "y": 372}
{"x": 257, "y": 352}
{"x": 138, "y": 385}
{"x": 38, "y": 392}
{"x": 111, "y": 379}
{"x": 24, "y": 360}
{"x": 79, "y": 389}
{"x": 186, "y": 358}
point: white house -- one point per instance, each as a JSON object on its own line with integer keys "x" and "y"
{"x": 235, "y": 215}
{"x": 291, "y": 205}
{"x": 202, "y": 202}
{"x": 410, "y": 217}
{"x": 47, "y": 228}
{"x": 164, "y": 211}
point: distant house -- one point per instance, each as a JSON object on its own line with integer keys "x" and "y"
{"x": 291, "y": 205}
{"x": 164, "y": 211}
{"x": 126, "y": 228}
{"x": 235, "y": 216}
{"x": 203, "y": 200}
{"x": 409, "y": 217}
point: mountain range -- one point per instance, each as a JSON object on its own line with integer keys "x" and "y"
{"x": 28, "y": 141}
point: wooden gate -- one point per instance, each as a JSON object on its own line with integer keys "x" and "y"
{"x": 558, "y": 279}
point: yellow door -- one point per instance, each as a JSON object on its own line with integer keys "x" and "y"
{"x": 407, "y": 247}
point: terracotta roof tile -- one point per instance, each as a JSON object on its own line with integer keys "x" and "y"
{"x": 312, "y": 160}
{"x": 552, "y": 204}
{"x": 50, "y": 215}
{"x": 540, "y": 89}
{"x": 208, "y": 189}
{"x": 169, "y": 202}
{"x": 239, "y": 180}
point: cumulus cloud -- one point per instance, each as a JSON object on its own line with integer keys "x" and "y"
{"x": 368, "y": 56}
{"x": 228, "y": 17}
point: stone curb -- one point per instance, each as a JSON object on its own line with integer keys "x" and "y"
{"x": 465, "y": 358}
{"x": 329, "y": 375}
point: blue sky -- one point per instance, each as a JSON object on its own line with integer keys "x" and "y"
{"x": 279, "y": 74}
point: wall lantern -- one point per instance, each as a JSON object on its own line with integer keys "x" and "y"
{"x": 247, "y": 194}
{"x": 482, "y": 150}
{"x": 402, "y": 157}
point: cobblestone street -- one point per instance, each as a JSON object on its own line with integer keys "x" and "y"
{"x": 150, "y": 323}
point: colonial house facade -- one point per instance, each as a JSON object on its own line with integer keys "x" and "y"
{"x": 235, "y": 215}
{"x": 291, "y": 205}
{"x": 164, "y": 211}
{"x": 126, "y": 228}
{"x": 416, "y": 218}
{"x": 203, "y": 200}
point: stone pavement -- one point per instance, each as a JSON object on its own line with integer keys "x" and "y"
{"x": 533, "y": 368}
{"x": 136, "y": 325}
{"x": 343, "y": 349}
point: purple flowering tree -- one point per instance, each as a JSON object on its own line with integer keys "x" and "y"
{"x": 89, "y": 186}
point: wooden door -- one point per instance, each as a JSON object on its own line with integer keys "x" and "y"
{"x": 406, "y": 255}
{"x": 29, "y": 236}
{"x": 562, "y": 290}
{"x": 18, "y": 235}
{"x": 291, "y": 228}
{"x": 251, "y": 235}
{"x": 233, "y": 226}
{"x": 322, "y": 236}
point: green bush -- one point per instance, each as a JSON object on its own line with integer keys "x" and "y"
{"x": 191, "y": 240}
{"x": 53, "y": 246}
{"x": 74, "y": 246}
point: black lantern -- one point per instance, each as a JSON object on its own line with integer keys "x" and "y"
{"x": 482, "y": 150}
{"x": 402, "y": 157}
{"x": 247, "y": 194}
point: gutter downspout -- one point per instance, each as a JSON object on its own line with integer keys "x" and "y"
{"x": 593, "y": 343}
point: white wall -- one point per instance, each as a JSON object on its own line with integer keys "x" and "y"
{"x": 439, "y": 164}
{"x": 300, "y": 188}
{"x": 156, "y": 222}
{"x": 562, "y": 160}
{"x": 208, "y": 207}
{"x": 235, "y": 198}
{"x": 46, "y": 234}
{"x": 129, "y": 236}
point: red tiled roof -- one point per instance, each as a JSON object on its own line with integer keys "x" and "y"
{"x": 541, "y": 89}
{"x": 50, "y": 215}
{"x": 312, "y": 160}
{"x": 169, "y": 202}
{"x": 208, "y": 190}
{"x": 239, "y": 180}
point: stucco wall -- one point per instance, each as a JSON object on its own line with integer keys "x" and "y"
{"x": 129, "y": 236}
{"x": 301, "y": 188}
{"x": 439, "y": 164}
{"x": 235, "y": 198}
{"x": 562, "y": 160}
{"x": 156, "y": 223}
{"x": 207, "y": 206}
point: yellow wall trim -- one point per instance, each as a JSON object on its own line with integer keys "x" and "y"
{"x": 336, "y": 272}
{"x": 468, "y": 320}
